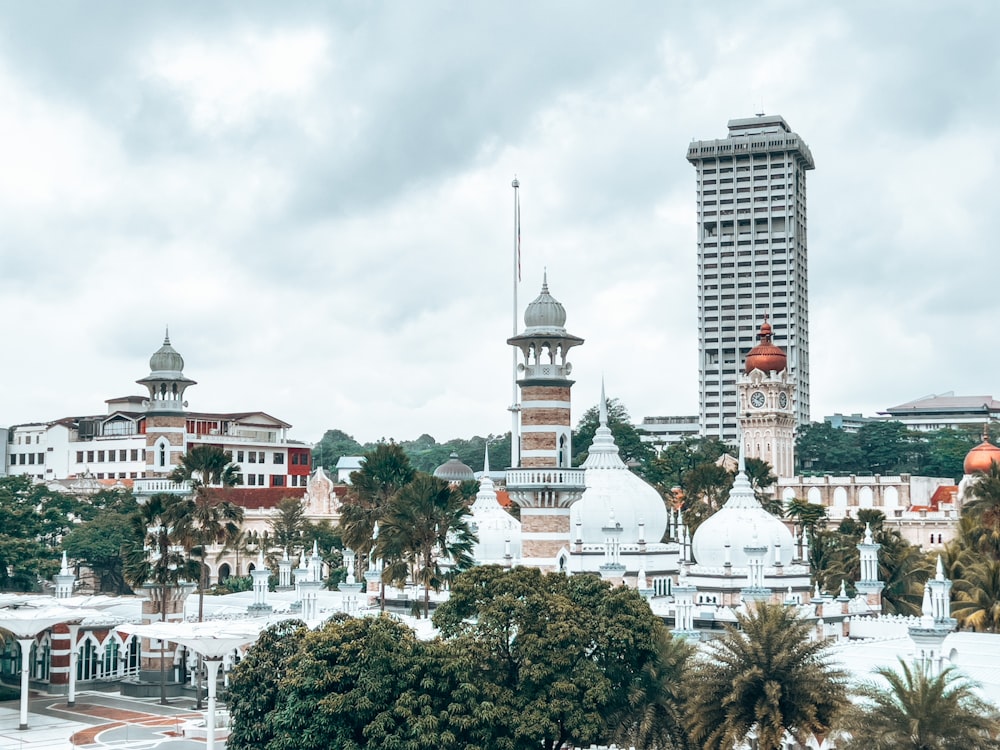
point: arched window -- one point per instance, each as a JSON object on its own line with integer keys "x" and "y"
{"x": 109, "y": 664}
{"x": 133, "y": 655}
{"x": 87, "y": 662}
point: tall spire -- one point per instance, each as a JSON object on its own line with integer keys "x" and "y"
{"x": 603, "y": 409}
{"x": 486, "y": 459}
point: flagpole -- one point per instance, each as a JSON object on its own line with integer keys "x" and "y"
{"x": 515, "y": 409}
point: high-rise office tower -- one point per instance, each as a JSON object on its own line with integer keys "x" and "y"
{"x": 752, "y": 254}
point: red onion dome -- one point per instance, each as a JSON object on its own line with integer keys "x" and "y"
{"x": 766, "y": 357}
{"x": 981, "y": 457}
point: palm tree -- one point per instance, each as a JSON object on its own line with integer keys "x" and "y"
{"x": 156, "y": 558}
{"x": 977, "y": 600}
{"x": 765, "y": 676}
{"x": 983, "y": 505}
{"x": 209, "y": 466}
{"x": 922, "y": 711}
{"x": 654, "y": 718}
{"x": 384, "y": 470}
{"x": 424, "y": 522}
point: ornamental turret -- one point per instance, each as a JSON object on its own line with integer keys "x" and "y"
{"x": 544, "y": 485}
{"x": 165, "y": 421}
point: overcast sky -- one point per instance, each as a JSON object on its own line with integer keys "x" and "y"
{"x": 316, "y": 199}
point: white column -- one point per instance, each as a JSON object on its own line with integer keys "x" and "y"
{"x": 74, "y": 630}
{"x": 25, "y": 644}
{"x": 212, "y": 665}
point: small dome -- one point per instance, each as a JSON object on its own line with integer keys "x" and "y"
{"x": 166, "y": 358}
{"x": 453, "y": 470}
{"x": 982, "y": 456}
{"x": 741, "y": 522}
{"x": 545, "y": 311}
{"x": 497, "y": 531}
{"x": 766, "y": 357}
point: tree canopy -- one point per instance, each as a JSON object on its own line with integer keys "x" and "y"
{"x": 766, "y": 676}
{"x": 525, "y": 661}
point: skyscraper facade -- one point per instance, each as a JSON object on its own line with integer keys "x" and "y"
{"x": 752, "y": 254}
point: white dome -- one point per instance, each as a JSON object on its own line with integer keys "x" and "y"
{"x": 741, "y": 522}
{"x": 613, "y": 491}
{"x": 494, "y": 526}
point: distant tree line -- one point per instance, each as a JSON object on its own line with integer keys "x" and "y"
{"x": 885, "y": 448}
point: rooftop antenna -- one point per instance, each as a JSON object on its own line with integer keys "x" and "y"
{"x": 760, "y": 108}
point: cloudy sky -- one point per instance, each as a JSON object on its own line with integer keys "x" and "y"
{"x": 316, "y": 199}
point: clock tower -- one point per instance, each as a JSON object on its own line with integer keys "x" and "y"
{"x": 767, "y": 406}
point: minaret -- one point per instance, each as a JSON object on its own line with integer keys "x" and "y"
{"x": 766, "y": 396}
{"x": 544, "y": 486}
{"x": 870, "y": 585}
{"x": 935, "y": 624}
{"x": 165, "y": 422}
{"x": 64, "y": 580}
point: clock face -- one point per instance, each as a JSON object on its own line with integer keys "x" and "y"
{"x": 756, "y": 399}
{"x": 783, "y": 400}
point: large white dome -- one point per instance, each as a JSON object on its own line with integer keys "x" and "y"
{"x": 741, "y": 522}
{"x": 613, "y": 491}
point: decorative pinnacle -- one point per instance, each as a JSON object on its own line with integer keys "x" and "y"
{"x": 486, "y": 460}
{"x": 166, "y": 336}
{"x": 603, "y": 410}
{"x": 940, "y": 569}
{"x": 514, "y": 183}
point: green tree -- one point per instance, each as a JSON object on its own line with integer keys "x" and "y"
{"x": 946, "y": 451}
{"x": 254, "y": 689}
{"x": 33, "y": 522}
{"x": 921, "y": 711}
{"x": 654, "y": 717}
{"x": 762, "y": 479}
{"x": 765, "y": 675}
{"x": 807, "y": 516}
{"x": 384, "y": 470}
{"x": 820, "y": 447}
{"x": 207, "y": 466}
{"x": 332, "y": 447}
{"x": 628, "y": 437}
{"x": 706, "y": 488}
{"x": 982, "y": 505}
{"x": 156, "y": 557}
{"x": 289, "y": 523}
{"x": 977, "y": 599}
{"x": 561, "y": 658}
{"x": 359, "y": 683}
{"x": 98, "y": 544}
{"x": 424, "y": 522}
{"x": 890, "y": 447}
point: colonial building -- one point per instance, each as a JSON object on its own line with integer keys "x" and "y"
{"x": 141, "y": 438}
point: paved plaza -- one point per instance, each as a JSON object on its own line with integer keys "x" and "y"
{"x": 97, "y": 721}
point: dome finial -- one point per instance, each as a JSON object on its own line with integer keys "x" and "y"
{"x": 486, "y": 459}
{"x": 603, "y": 409}
{"x": 166, "y": 335}
{"x": 742, "y": 464}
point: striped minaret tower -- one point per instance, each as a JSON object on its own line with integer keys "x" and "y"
{"x": 544, "y": 485}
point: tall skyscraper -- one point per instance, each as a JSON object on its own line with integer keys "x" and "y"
{"x": 752, "y": 253}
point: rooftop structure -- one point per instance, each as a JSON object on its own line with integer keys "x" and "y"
{"x": 937, "y": 411}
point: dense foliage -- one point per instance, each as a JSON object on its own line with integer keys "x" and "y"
{"x": 884, "y": 447}
{"x": 524, "y": 661}
{"x": 915, "y": 709}
{"x": 424, "y": 453}
{"x": 765, "y": 676}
